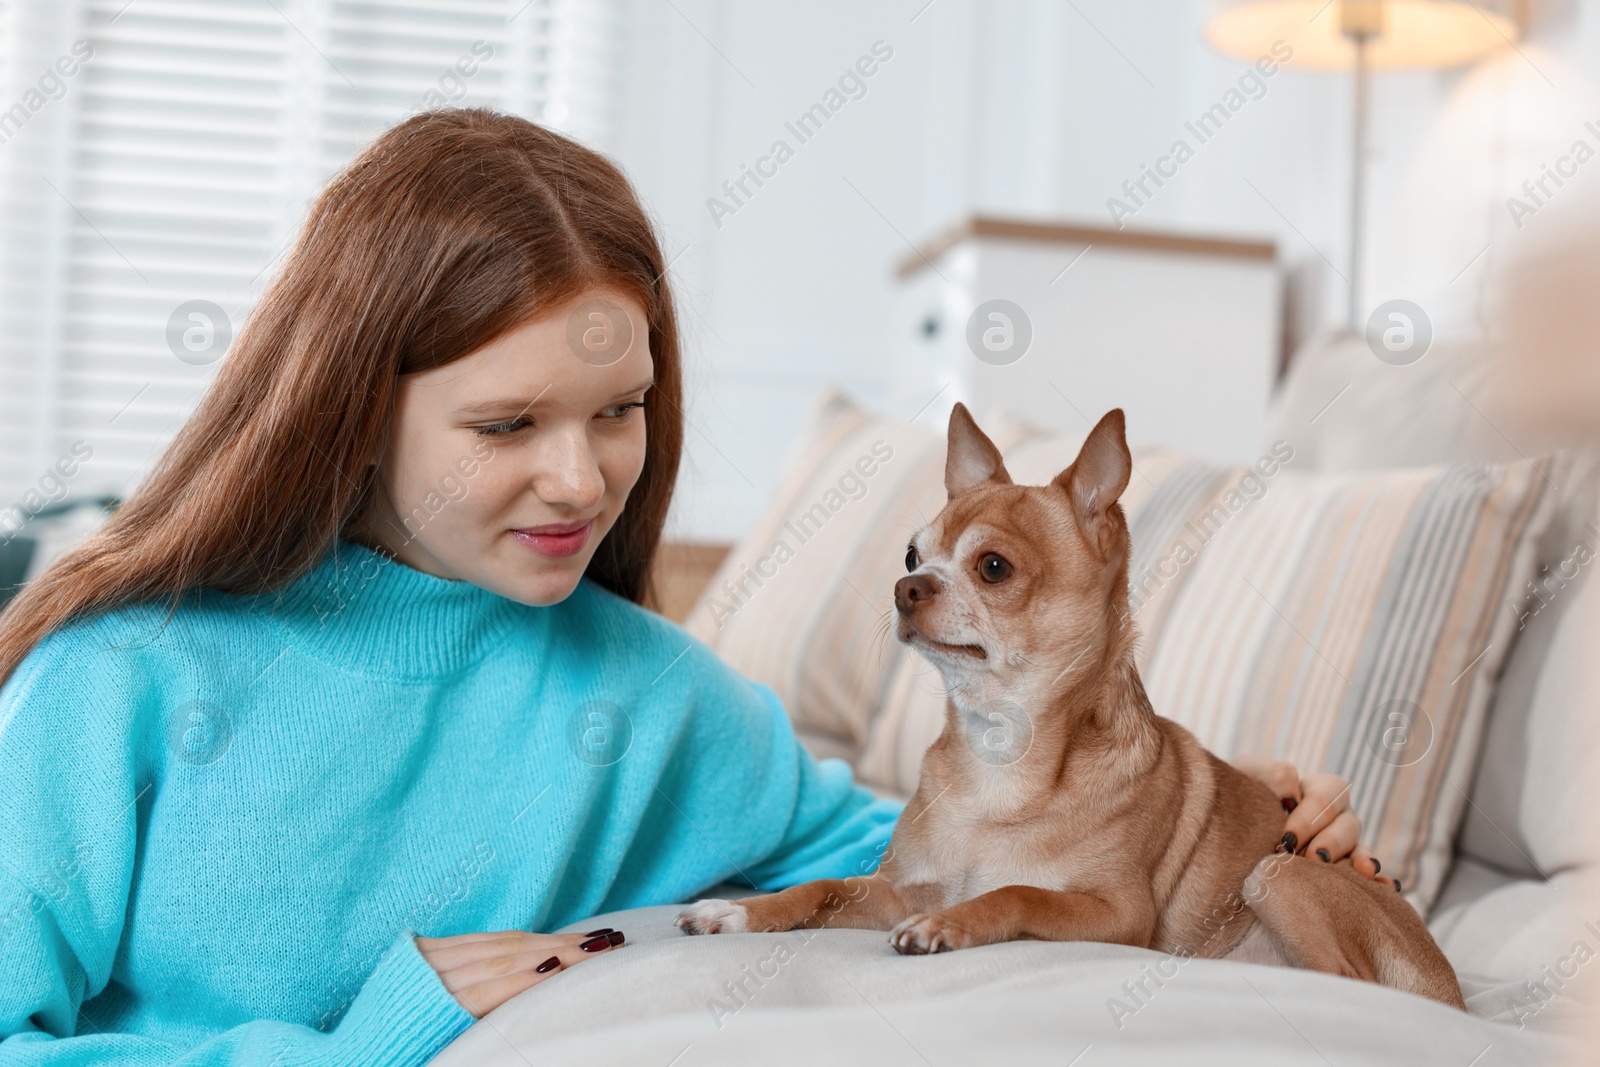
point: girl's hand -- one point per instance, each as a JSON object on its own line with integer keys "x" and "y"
{"x": 1320, "y": 821}
{"x": 483, "y": 971}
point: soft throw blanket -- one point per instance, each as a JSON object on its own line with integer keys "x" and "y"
{"x": 843, "y": 996}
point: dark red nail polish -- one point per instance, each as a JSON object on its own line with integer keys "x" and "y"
{"x": 1289, "y": 843}
{"x": 1324, "y": 854}
{"x": 616, "y": 937}
{"x": 1290, "y": 803}
{"x": 597, "y": 933}
{"x": 548, "y": 965}
{"x": 1377, "y": 868}
{"x": 595, "y": 944}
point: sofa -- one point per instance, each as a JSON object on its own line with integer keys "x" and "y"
{"x": 1507, "y": 881}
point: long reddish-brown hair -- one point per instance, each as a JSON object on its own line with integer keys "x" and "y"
{"x": 448, "y": 230}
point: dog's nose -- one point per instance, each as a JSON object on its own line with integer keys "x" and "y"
{"x": 911, "y": 589}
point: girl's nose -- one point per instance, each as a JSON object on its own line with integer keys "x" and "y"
{"x": 569, "y": 474}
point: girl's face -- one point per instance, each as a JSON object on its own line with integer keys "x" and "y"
{"x": 508, "y": 466}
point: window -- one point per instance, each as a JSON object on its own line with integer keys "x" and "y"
{"x": 166, "y": 173}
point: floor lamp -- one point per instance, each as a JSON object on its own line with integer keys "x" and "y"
{"x": 1362, "y": 36}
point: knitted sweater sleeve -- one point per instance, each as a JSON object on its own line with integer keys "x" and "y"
{"x": 835, "y": 827}
{"x": 750, "y": 802}
{"x": 71, "y": 786}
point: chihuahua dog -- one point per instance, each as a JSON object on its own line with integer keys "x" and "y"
{"x": 1056, "y": 804}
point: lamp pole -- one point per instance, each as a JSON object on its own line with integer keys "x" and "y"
{"x": 1360, "y": 21}
{"x": 1358, "y": 181}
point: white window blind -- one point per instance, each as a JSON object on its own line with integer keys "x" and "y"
{"x": 178, "y": 164}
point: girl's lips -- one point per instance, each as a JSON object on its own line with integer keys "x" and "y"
{"x": 558, "y": 539}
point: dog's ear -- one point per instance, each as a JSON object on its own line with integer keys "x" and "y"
{"x": 1098, "y": 476}
{"x": 972, "y": 458}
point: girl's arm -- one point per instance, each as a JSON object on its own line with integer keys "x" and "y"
{"x": 73, "y": 719}
{"x": 748, "y": 788}
{"x": 837, "y": 829}
{"x": 733, "y": 794}
{"x": 804, "y": 819}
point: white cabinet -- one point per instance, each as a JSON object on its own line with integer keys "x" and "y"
{"x": 1181, "y": 331}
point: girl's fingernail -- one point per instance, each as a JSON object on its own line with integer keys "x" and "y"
{"x": 616, "y": 937}
{"x": 1289, "y": 804}
{"x": 1324, "y": 854}
{"x": 1377, "y": 868}
{"x": 548, "y": 965}
{"x": 595, "y": 944}
{"x": 1397, "y": 888}
{"x": 596, "y": 933}
{"x": 1289, "y": 843}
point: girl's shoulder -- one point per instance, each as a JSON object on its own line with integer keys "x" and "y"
{"x": 146, "y": 639}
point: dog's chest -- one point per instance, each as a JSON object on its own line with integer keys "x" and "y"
{"x": 968, "y": 856}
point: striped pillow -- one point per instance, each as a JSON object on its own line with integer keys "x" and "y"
{"x": 798, "y": 605}
{"x": 1350, "y": 623}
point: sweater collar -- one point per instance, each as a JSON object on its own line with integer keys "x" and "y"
{"x": 377, "y": 616}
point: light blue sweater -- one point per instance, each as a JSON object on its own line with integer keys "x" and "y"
{"x": 220, "y": 831}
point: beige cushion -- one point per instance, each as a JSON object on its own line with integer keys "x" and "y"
{"x": 1319, "y": 622}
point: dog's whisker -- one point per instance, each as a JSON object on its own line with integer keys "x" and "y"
{"x": 882, "y": 629}
{"x": 880, "y": 636}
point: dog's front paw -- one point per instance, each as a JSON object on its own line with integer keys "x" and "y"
{"x": 922, "y": 934}
{"x": 713, "y": 917}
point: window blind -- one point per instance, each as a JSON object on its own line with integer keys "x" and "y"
{"x": 175, "y": 170}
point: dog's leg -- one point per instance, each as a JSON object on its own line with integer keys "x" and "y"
{"x": 1326, "y": 917}
{"x": 872, "y": 903}
{"x": 1024, "y": 911}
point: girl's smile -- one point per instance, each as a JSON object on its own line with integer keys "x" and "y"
{"x": 558, "y": 539}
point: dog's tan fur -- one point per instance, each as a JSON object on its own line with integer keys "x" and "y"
{"x": 1057, "y": 804}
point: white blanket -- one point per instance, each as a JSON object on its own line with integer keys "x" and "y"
{"x": 843, "y": 997}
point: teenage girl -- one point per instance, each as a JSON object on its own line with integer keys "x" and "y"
{"x": 356, "y": 695}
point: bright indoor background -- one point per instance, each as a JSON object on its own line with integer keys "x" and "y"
{"x": 177, "y": 162}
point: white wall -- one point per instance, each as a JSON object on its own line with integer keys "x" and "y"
{"x": 1017, "y": 107}
{"x": 1037, "y": 108}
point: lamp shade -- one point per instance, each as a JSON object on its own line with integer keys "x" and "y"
{"x": 1403, "y": 33}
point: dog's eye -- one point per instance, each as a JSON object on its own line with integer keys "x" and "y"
{"x": 911, "y": 558}
{"x": 994, "y": 568}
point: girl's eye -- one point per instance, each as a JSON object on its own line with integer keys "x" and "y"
{"x": 501, "y": 428}
{"x": 911, "y": 557}
{"x": 994, "y": 568}
{"x": 619, "y": 411}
